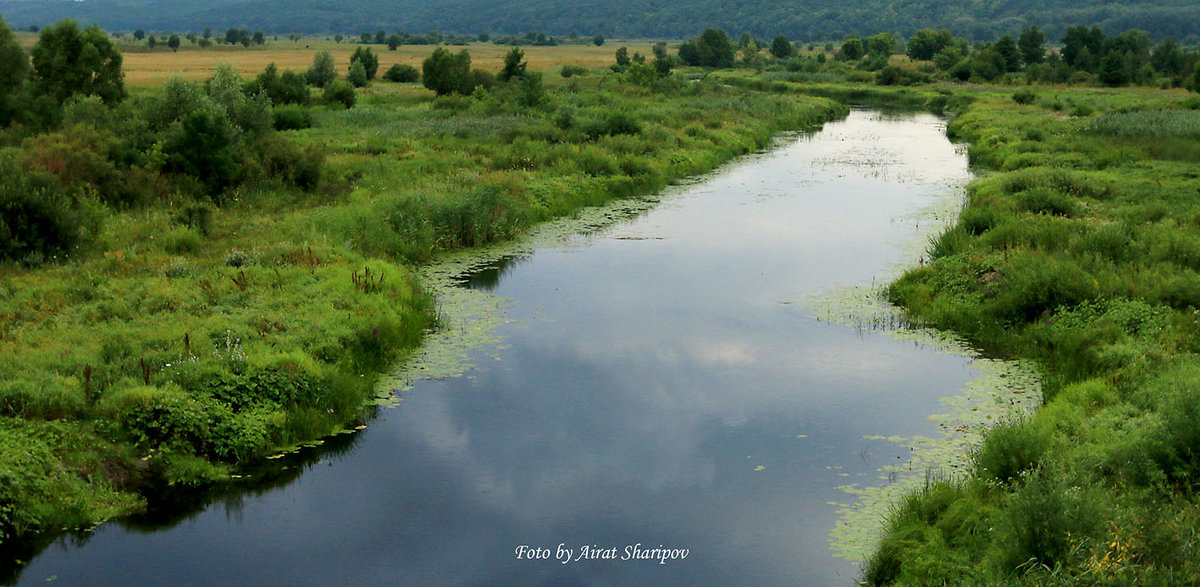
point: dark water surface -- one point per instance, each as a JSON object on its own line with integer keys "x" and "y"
{"x": 658, "y": 386}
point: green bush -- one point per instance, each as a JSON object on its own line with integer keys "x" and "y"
{"x": 573, "y": 70}
{"x": 292, "y": 117}
{"x": 402, "y": 74}
{"x": 38, "y": 219}
{"x": 339, "y": 93}
{"x": 1040, "y": 285}
{"x": 1047, "y": 201}
{"x": 290, "y": 163}
{"x": 1009, "y": 450}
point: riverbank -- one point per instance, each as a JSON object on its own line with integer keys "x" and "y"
{"x": 1077, "y": 251}
{"x": 171, "y": 355}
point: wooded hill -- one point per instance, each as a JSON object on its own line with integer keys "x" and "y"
{"x": 806, "y": 20}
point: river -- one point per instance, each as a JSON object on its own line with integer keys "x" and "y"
{"x": 661, "y": 387}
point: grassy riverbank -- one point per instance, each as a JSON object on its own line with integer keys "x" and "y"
{"x": 187, "y": 341}
{"x": 1078, "y": 249}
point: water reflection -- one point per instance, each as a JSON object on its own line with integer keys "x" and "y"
{"x": 656, "y": 388}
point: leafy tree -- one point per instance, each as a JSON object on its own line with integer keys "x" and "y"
{"x": 336, "y": 38}
{"x": 394, "y": 41}
{"x": 1007, "y": 48}
{"x": 1167, "y": 59}
{"x": 173, "y": 42}
{"x": 207, "y": 32}
{"x": 710, "y": 49}
{"x": 400, "y": 73}
{"x": 1033, "y": 45}
{"x": 926, "y": 43}
{"x": 357, "y": 76}
{"x": 139, "y": 34}
{"x": 514, "y": 65}
{"x": 781, "y": 48}
{"x": 259, "y": 38}
{"x": 369, "y": 60}
{"x": 622, "y": 56}
{"x": 1077, "y": 39}
{"x": 987, "y": 64}
{"x": 381, "y": 37}
{"x": 322, "y": 70}
{"x": 533, "y": 94}
{"x": 598, "y": 40}
{"x": 881, "y": 46}
{"x": 152, "y": 42}
{"x": 14, "y": 68}
{"x": 204, "y": 145}
{"x": 446, "y": 73}
{"x": 364, "y": 38}
{"x": 484, "y": 37}
{"x": 1112, "y": 69}
{"x": 67, "y": 62}
{"x": 852, "y": 49}
{"x": 249, "y": 113}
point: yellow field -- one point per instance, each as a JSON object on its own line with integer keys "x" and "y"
{"x": 145, "y": 68}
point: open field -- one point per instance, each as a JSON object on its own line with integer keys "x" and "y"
{"x": 145, "y": 68}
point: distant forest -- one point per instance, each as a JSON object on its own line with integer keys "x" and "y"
{"x": 805, "y": 20}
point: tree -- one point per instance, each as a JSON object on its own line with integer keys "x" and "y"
{"x": 152, "y": 42}
{"x": 380, "y": 37}
{"x": 336, "y": 38}
{"x": 139, "y": 34}
{"x": 1077, "y": 39}
{"x": 67, "y": 62}
{"x": 1033, "y": 45}
{"x": 369, "y": 60}
{"x": 207, "y": 32}
{"x": 1112, "y": 69}
{"x": 781, "y": 48}
{"x": 204, "y": 145}
{"x": 394, "y": 41}
{"x": 710, "y": 49}
{"x": 173, "y": 42}
{"x": 446, "y": 73}
{"x": 926, "y": 43}
{"x": 598, "y": 40}
{"x": 852, "y": 49}
{"x": 14, "y": 68}
{"x": 259, "y": 38}
{"x": 514, "y": 65}
{"x": 357, "y": 75}
{"x": 881, "y": 46}
{"x": 622, "y": 56}
{"x": 1007, "y": 48}
{"x": 322, "y": 70}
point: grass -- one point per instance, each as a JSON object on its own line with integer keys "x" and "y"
{"x": 1077, "y": 249}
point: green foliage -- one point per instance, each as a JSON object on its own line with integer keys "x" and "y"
{"x": 339, "y": 93}
{"x": 710, "y": 49}
{"x": 369, "y": 61}
{"x": 39, "y": 219}
{"x": 1010, "y": 450}
{"x": 67, "y": 61}
{"x": 781, "y": 48}
{"x": 514, "y": 65}
{"x": 322, "y": 72}
{"x": 292, "y": 117}
{"x": 204, "y": 145}
{"x": 14, "y": 68}
{"x": 853, "y": 49}
{"x": 357, "y": 75}
{"x": 926, "y": 43}
{"x": 402, "y": 74}
{"x": 448, "y": 73}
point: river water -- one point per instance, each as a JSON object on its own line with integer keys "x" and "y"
{"x": 661, "y": 383}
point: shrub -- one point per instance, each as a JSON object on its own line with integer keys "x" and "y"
{"x": 402, "y": 74}
{"x": 1024, "y": 97}
{"x": 1041, "y": 284}
{"x": 292, "y": 117}
{"x": 573, "y": 70}
{"x": 339, "y": 93}
{"x": 291, "y": 163}
{"x": 1010, "y": 449}
{"x": 1047, "y": 201}
{"x": 357, "y": 75}
{"x": 38, "y": 219}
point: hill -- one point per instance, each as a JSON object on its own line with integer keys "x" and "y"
{"x": 809, "y": 20}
